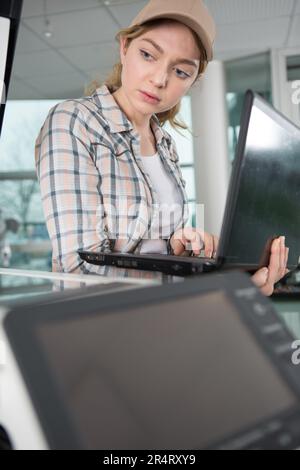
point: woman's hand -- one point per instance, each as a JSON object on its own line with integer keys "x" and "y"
{"x": 196, "y": 240}
{"x": 265, "y": 278}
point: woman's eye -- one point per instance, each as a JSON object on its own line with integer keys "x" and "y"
{"x": 179, "y": 72}
{"x": 182, "y": 74}
{"x": 145, "y": 54}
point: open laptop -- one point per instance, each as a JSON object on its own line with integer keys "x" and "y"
{"x": 195, "y": 365}
{"x": 262, "y": 203}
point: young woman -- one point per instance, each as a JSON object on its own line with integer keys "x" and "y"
{"x": 109, "y": 172}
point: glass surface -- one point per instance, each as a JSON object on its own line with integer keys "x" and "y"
{"x": 19, "y": 288}
{"x": 268, "y": 198}
{"x": 158, "y": 376}
{"x": 21, "y": 284}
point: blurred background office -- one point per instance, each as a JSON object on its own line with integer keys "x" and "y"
{"x": 65, "y": 44}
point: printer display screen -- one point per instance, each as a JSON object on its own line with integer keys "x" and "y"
{"x": 163, "y": 375}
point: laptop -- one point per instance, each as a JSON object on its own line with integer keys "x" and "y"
{"x": 262, "y": 203}
{"x": 193, "y": 365}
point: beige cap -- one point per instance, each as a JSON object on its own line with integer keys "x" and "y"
{"x": 192, "y": 13}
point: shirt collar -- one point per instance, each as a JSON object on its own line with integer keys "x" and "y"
{"x": 117, "y": 119}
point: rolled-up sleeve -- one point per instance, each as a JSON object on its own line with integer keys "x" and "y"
{"x": 70, "y": 186}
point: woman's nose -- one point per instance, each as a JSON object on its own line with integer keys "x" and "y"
{"x": 160, "y": 79}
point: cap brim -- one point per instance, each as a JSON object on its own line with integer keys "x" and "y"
{"x": 188, "y": 21}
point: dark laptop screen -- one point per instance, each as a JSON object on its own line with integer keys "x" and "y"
{"x": 166, "y": 376}
{"x": 181, "y": 366}
{"x": 268, "y": 197}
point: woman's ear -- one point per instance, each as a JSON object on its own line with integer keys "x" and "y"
{"x": 123, "y": 48}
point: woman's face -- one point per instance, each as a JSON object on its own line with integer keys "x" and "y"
{"x": 163, "y": 62}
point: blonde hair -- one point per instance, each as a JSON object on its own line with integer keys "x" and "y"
{"x": 114, "y": 80}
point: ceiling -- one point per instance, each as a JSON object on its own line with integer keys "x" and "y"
{"x": 82, "y": 45}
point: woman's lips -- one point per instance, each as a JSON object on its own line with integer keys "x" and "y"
{"x": 149, "y": 98}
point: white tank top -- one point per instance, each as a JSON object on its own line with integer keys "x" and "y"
{"x": 169, "y": 206}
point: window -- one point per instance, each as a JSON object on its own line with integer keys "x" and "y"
{"x": 24, "y": 240}
{"x": 253, "y": 72}
{"x": 185, "y": 149}
{"x": 293, "y": 68}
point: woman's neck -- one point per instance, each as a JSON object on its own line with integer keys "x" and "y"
{"x": 140, "y": 122}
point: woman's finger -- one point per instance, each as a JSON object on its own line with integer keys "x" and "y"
{"x": 192, "y": 240}
{"x": 208, "y": 245}
{"x": 282, "y": 253}
{"x": 216, "y": 245}
{"x": 260, "y": 278}
{"x": 287, "y": 250}
{"x": 274, "y": 265}
{"x": 177, "y": 243}
{"x": 197, "y": 244}
{"x": 177, "y": 246}
{"x": 197, "y": 240}
{"x": 284, "y": 270}
{"x": 282, "y": 259}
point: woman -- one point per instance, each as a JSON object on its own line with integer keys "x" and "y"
{"x": 109, "y": 172}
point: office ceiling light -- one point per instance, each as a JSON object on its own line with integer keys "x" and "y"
{"x": 117, "y": 2}
{"x": 48, "y": 33}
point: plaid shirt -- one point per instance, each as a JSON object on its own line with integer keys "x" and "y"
{"x": 95, "y": 192}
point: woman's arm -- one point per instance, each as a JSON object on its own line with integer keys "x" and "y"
{"x": 69, "y": 182}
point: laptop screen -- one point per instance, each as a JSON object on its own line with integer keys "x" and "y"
{"x": 163, "y": 376}
{"x": 181, "y": 366}
{"x": 267, "y": 191}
